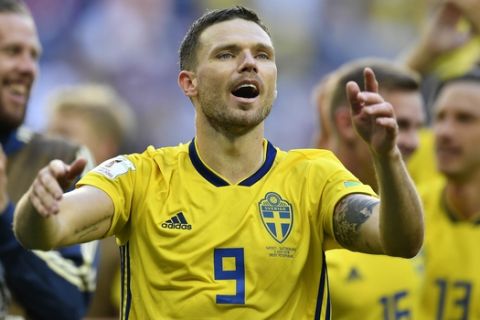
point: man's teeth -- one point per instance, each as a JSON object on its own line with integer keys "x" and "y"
{"x": 19, "y": 89}
{"x": 247, "y": 85}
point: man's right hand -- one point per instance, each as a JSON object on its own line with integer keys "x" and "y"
{"x": 47, "y": 188}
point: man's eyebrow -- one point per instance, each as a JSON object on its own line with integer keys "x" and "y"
{"x": 235, "y": 47}
{"x": 265, "y": 47}
{"x": 228, "y": 47}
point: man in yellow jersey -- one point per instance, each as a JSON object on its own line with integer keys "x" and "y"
{"x": 365, "y": 286}
{"x": 452, "y": 207}
{"x": 229, "y": 226}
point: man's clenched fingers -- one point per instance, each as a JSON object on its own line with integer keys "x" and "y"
{"x": 369, "y": 97}
{"x": 46, "y": 191}
{"x": 384, "y": 109}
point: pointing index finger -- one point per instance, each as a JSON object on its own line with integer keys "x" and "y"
{"x": 371, "y": 83}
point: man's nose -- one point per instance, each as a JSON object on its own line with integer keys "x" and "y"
{"x": 443, "y": 128}
{"x": 248, "y": 62}
{"x": 412, "y": 140}
{"x": 26, "y": 63}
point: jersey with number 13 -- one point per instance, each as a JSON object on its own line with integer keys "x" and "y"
{"x": 452, "y": 260}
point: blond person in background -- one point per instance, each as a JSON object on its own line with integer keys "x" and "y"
{"x": 96, "y": 116}
{"x": 365, "y": 286}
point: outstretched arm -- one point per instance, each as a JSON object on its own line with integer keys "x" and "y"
{"x": 440, "y": 36}
{"x": 45, "y": 218}
{"x": 393, "y": 225}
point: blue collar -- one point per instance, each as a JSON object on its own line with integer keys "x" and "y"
{"x": 217, "y": 181}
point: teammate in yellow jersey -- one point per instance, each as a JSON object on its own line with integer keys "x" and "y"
{"x": 452, "y": 207}
{"x": 228, "y": 226}
{"x": 365, "y": 286}
{"x": 421, "y": 165}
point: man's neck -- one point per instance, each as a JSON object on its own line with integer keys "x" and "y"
{"x": 233, "y": 158}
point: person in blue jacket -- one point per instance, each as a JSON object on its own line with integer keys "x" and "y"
{"x": 38, "y": 285}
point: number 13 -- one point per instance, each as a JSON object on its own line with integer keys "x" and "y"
{"x": 238, "y": 274}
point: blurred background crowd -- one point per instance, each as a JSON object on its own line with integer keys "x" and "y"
{"x": 133, "y": 45}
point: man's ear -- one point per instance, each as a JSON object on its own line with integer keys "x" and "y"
{"x": 188, "y": 83}
{"x": 343, "y": 122}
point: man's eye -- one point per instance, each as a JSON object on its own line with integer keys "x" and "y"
{"x": 11, "y": 50}
{"x": 225, "y": 56}
{"x": 403, "y": 124}
{"x": 263, "y": 56}
{"x": 465, "y": 118}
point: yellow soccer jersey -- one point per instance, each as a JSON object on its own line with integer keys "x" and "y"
{"x": 452, "y": 261}
{"x": 373, "y": 287}
{"x": 196, "y": 247}
{"x": 422, "y": 165}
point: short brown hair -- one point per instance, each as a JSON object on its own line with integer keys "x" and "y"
{"x": 189, "y": 45}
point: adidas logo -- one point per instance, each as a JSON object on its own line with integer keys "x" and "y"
{"x": 178, "y": 221}
{"x": 354, "y": 275}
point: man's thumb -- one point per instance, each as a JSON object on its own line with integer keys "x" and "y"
{"x": 76, "y": 168}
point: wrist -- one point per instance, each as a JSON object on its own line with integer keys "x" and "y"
{"x": 391, "y": 156}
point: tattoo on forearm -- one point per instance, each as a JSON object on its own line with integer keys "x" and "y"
{"x": 84, "y": 231}
{"x": 350, "y": 213}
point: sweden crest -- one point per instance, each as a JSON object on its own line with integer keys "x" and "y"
{"x": 277, "y": 216}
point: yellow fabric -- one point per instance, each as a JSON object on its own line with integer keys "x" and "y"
{"x": 452, "y": 260}
{"x": 364, "y": 286}
{"x": 422, "y": 164}
{"x": 459, "y": 61}
{"x": 223, "y": 261}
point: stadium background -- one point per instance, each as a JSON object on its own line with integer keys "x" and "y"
{"x": 132, "y": 44}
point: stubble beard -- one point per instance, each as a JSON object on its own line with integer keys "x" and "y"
{"x": 232, "y": 122}
{"x": 457, "y": 170}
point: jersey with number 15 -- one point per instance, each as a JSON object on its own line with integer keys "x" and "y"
{"x": 195, "y": 246}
